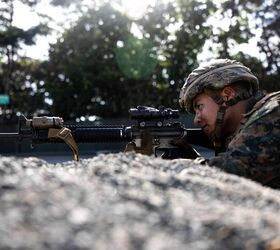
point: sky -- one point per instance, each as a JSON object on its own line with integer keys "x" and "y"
{"x": 25, "y": 18}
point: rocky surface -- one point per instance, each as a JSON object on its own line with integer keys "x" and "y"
{"x": 131, "y": 201}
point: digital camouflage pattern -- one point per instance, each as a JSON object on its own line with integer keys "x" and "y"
{"x": 215, "y": 75}
{"x": 254, "y": 151}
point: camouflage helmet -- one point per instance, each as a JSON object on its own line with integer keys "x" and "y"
{"x": 215, "y": 75}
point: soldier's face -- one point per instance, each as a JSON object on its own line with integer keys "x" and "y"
{"x": 205, "y": 113}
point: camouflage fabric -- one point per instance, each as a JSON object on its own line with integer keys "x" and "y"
{"x": 215, "y": 75}
{"x": 254, "y": 151}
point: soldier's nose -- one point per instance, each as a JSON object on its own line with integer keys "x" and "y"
{"x": 197, "y": 120}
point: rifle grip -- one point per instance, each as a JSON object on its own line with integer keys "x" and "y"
{"x": 146, "y": 146}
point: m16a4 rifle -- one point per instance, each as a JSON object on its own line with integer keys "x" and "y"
{"x": 153, "y": 132}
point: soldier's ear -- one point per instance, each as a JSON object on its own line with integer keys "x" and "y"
{"x": 228, "y": 93}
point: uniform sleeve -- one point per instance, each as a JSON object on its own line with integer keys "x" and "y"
{"x": 255, "y": 151}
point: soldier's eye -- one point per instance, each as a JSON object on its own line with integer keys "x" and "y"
{"x": 198, "y": 106}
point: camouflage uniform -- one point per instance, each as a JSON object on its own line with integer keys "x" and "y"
{"x": 253, "y": 150}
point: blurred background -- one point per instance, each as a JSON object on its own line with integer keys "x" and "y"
{"x": 91, "y": 60}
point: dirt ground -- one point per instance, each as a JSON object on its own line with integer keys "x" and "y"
{"x": 131, "y": 201}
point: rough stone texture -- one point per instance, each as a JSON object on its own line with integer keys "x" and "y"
{"x": 131, "y": 201}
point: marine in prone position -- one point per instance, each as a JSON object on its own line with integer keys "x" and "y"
{"x": 242, "y": 121}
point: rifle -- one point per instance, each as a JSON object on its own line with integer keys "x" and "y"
{"x": 153, "y": 132}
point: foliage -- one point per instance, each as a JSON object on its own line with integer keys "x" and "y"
{"x": 109, "y": 63}
{"x": 26, "y": 91}
{"x": 269, "y": 22}
{"x": 15, "y": 71}
{"x": 106, "y": 62}
{"x": 178, "y": 48}
{"x": 266, "y": 19}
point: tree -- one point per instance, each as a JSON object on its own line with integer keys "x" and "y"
{"x": 178, "y": 47}
{"x": 83, "y": 72}
{"x": 104, "y": 69}
{"x": 269, "y": 22}
{"x": 106, "y": 62}
{"x": 244, "y": 19}
{"x": 13, "y": 72}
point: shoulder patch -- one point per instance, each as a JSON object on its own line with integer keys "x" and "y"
{"x": 259, "y": 113}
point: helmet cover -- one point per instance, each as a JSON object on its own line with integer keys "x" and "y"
{"x": 215, "y": 75}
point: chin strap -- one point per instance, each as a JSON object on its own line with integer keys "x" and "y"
{"x": 218, "y": 140}
{"x": 217, "y": 137}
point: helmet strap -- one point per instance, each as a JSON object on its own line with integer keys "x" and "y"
{"x": 217, "y": 140}
{"x": 242, "y": 96}
{"x": 223, "y": 105}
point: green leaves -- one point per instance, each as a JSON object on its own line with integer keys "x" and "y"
{"x": 106, "y": 62}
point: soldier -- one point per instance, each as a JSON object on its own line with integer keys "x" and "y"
{"x": 242, "y": 121}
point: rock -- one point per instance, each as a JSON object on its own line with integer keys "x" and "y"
{"x": 131, "y": 201}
